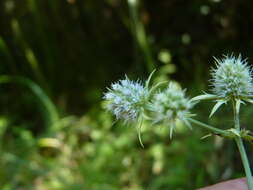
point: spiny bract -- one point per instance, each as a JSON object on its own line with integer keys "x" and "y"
{"x": 232, "y": 77}
{"x": 171, "y": 105}
{"x": 126, "y": 99}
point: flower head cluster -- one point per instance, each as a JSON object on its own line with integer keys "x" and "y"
{"x": 171, "y": 105}
{"x": 132, "y": 101}
{"x": 126, "y": 99}
{"x": 232, "y": 78}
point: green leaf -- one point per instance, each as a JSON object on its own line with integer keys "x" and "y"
{"x": 145, "y": 116}
{"x": 186, "y": 122}
{"x": 156, "y": 86}
{"x": 248, "y": 100}
{"x": 139, "y": 130}
{"x": 149, "y": 78}
{"x": 204, "y": 97}
{"x": 217, "y": 106}
{"x": 206, "y": 136}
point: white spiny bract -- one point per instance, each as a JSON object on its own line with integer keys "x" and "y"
{"x": 170, "y": 105}
{"x": 127, "y": 99}
{"x": 232, "y": 78}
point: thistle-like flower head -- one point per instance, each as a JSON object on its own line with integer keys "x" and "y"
{"x": 127, "y": 99}
{"x": 170, "y": 105}
{"x": 232, "y": 78}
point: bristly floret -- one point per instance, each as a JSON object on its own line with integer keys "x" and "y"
{"x": 171, "y": 105}
{"x": 232, "y": 78}
{"x": 126, "y": 99}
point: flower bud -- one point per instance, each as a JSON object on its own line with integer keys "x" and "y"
{"x": 171, "y": 105}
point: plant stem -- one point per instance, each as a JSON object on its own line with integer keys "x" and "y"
{"x": 211, "y": 128}
{"x": 236, "y": 116}
{"x": 245, "y": 162}
{"x": 241, "y": 148}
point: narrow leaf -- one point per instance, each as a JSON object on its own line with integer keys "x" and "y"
{"x": 153, "y": 88}
{"x": 204, "y": 97}
{"x": 206, "y": 136}
{"x": 248, "y": 100}
{"x": 139, "y": 130}
{"x": 217, "y": 106}
{"x": 149, "y": 78}
{"x": 186, "y": 122}
{"x": 145, "y": 116}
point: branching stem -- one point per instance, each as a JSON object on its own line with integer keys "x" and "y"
{"x": 211, "y": 128}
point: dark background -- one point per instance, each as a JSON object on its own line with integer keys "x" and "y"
{"x": 61, "y": 137}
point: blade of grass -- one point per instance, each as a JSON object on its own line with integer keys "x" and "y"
{"x": 29, "y": 54}
{"x": 139, "y": 33}
{"x": 5, "y": 51}
{"x": 51, "y": 112}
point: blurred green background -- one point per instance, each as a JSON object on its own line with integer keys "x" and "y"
{"x": 58, "y": 56}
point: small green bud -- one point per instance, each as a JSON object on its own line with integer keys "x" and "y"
{"x": 171, "y": 105}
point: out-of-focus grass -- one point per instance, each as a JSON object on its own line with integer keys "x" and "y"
{"x": 50, "y": 111}
{"x": 139, "y": 34}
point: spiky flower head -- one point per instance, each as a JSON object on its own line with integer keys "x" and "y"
{"x": 170, "y": 105}
{"x": 231, "y": 81}
{"x": 232, "y": 78}
{"x": 126, "y": 99}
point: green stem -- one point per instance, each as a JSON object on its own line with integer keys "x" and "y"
{"x": 241, "y": 148}
{"x": 211, "y": 128}
{"x": 236, "y": 116}
{"x": 245, "y": 162}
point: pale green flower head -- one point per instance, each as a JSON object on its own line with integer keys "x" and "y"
{"x": 232, "y": 78}
{"x": 170, "y": 105}
{"x": 231, "y": 81}
{"x": 126, "y": 99}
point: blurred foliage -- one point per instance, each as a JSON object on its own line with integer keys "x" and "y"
{"x": 56, "y": 59}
